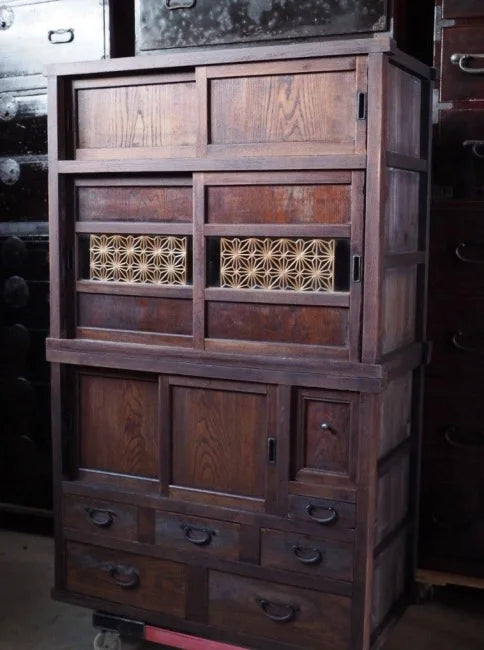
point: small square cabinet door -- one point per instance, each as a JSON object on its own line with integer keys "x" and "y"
{"x": 326, "y": 436}
{"x": 118, "y": 425}
{"x": 219, "y": 440}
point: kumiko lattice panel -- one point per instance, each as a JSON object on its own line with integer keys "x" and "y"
{"x": 143, "y": 259}
{"x": 291, "y": 264}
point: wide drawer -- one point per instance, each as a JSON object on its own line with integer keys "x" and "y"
{"x": 304, "y": 554}
{"x": 463, "y": 8}
{"x": 126, "y": 578}
{"x": 199, "y": 536}
{"x": 462, "y": 55}
{"x": 330, "y": 518}
{"x": 299, "y": 617}
{"x": 97, "y": 517}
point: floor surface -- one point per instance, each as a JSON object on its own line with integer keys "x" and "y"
{"x": 30, "y": 620}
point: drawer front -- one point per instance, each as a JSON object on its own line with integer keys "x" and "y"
{"x": 38, "y": 33}
{"x": 23, "y": 188}
{"x": 463, "y": 9}
{"x": 92, "y": 516}
{"x": 304, "y": 618}
{"x": 457, "y": 250}
{"x": 197, "y": 536}
{"x": 459, "y": 159}
{"x": 330, "y": 518}
{"x": 160, "y": 26}
{"x": 461, "y": 47}
{"x": 23, "y": 119}
{"x": 119, "y": 577}
{"x": 326, "y": 436}
{"x": 304, "y": 554}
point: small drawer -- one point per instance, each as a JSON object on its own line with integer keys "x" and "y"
{"x": 326, "y": 436}
{"x": 304, "y": 554}
{"x": 126, "y": 578}
{"x": 463, "y": 9}
{"x": 462, "y": 56}
{"x": 86, "y": 515}
{"x": 330, "y": 518}
{"x": 195, "y": 535}
{"x": 299, "y": 617}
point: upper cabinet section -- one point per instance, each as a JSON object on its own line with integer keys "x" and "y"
{"x": 309, "y": 107}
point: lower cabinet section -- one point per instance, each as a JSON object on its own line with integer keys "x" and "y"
{"x": 120, "y": 577}
{"x": 299, "y": 617}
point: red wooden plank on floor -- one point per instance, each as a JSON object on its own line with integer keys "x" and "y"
{"x": 184, "y": 641}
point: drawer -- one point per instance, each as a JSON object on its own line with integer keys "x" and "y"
{"x": 326, "y": 436}
{"x": 461, "y": 47}
{"x": 118, "y": 577}
{"x": 97, "y": 517}
{"x": 299, "y": 617}
{"x": 159, "y": 26}
{"x": 38, "y": 33}
{"x": 330, "y": 518}
{"x": 457, "y": 250}
{"x": 459, "y": 154}
{"x": 197, "y": 536}
{"x": 463, "y": 9}
{"x": 23, "y": 188}
{"x": 304, "y": 554}
{"x": 23, "y": 119}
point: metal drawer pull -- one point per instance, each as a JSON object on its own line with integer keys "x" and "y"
{"x": 303, "y": 557}
{"x": 457, "y": 437}
{"x": 60, "y": 36}
{"x": 6, "y": 18}
{"x": 126, "y": 577}
{"x": 180, "y": 4}
{"x": 477, "y": 147}
{"x": 440, "y": 522}
{"x": 204, "y": 537}
{"x": 458, "y": 342}
{"x": 459, "y": 253}
{"x": 333, "y": 516}
{"x": 267, "y": 605}
{"x": 462, "y": 60}
{"x": 101, "y": 518}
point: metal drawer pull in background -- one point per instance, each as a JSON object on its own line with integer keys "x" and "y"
{"x": 458, "y": 341}
{"x": 101, "y": 518}
{"x": 464, "y": 438}
{"x": 202, "y": 536}
{"x": 477, "y": 147}
{"x": 460, "y": 254}
{"x": 126, "y": 577}
{"x": 267, "y": 606}
{"x": 180, "y": 4}
{"x": 60, "y": 36}
{"x": 463, "y": 59}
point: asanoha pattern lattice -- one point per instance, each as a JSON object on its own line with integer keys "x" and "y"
{"x": 291, "y": 264}
{"x": 131, "y": 258}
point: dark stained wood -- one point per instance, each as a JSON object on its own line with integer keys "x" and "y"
{"x": 399, "y": 300}
{"x": 457, "y": 84}
{"x": 288, "y": 552}
{"x": 118, "y": 425}
{"x": 219, "y": 440}
{"x": 96, "y": 571}
{"x": 393, "y": 494}
{"x": 133, "y": 203}
{"x": 145, "y": 314}
{"x": 341, "y": 515}
{"x": 395, "y": 414}
{"x": 319, "y": 617}
{"x": 403, "y": 131}
{"x": 462, "y": 9}
{"x": 104, "y": 518}
{"x": 389, "y": 579}
{"x": 402, "y": 211}
{"x": 285, "y": 324}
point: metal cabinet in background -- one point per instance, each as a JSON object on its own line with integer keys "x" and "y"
{"x": 33, "y": 34}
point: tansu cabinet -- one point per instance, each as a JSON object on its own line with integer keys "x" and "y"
{"x": 238, "y": 287}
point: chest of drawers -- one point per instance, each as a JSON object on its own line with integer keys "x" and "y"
{"x": 238, "y": 278}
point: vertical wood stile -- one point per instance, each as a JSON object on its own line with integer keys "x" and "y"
{"x": 199, "y": 270}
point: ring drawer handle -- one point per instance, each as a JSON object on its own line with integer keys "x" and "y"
{"x": 302, "y": 554}
{"x": 202, "y": 539}
{"x": 333, "y": 514}
{"x": 462, "y": 60}
{"x": 60, "y": 36}
{"x": 125, "y": 577}
{"x": 477, "y": 147}
{"x": 267, "y": 605}
{"x": 440, "y": 522}
{"x": 459, "y": 252}
{"x": 180, "y": 4}
{"x": 101, "y": 518}
{"x": 457, "y": 437}
{"x": 458, "y": 342}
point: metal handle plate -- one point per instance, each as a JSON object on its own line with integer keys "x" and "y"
{"x": 460, "y": 254}
{"x": 126, "y": 577}
{"x": 101, "y": 518}
{"x": 464, "y": 438}
{"x": 477, "y": 147}
{"x": 272, "y": 610}
{"x": 202, "y": 537}
{"x": 61, "y": 36}
{"x": 463, "y": 61}
{"x": 325, "y": 521}
{"x": 458, "y": 341}
{"x": 307, "y": 555}
{"x": 180, "y": 4}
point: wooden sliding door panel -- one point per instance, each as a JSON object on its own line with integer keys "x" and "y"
{"x": 403, "y": 124}
{"x": 219, "y": 440}
{"x": 118, "y": 425}
{"x": 402, "y": 211}
{"x": 399, "y": 308}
